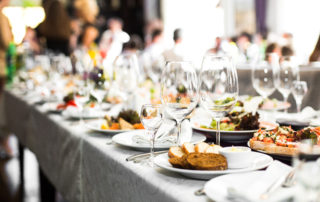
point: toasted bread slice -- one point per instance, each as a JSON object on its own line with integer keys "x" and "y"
{"x": 214, "y": 149}
{"x": 207, "y": 161}
{"x": 188, "y": 148}
{"x": 180, "y": 162}
{"x": 201, "y": 147}
{"x": 175, "y": 152}
{"x": 124, "y": 125}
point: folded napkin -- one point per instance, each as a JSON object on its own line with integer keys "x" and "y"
{"x": 252, "y": 189}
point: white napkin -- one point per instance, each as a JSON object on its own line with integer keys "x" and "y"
{"x": 255, "y": 187}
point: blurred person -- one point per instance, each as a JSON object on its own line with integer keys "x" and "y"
{"x": 5, "y": 39}
{"x": 315, "y": 55}
{"x": 88, "y": 37}
{"x": 134, "y": 45}
{"x": 155, "y": 24}
{"x": 244, "y": 43}
{"x": 56, "y": 27}
{"x": 286, "y": 51}
{"x": 273, "y": 48}
{"x": 113, "y": 39}
{"x": 152, "y": 57}
{"x": 32, "y": 40}
{"x": 218, "y": 47}
{"x": 76, "y": 30}
{"x": 177, "y": 52}
{"x": 87, "y": 10}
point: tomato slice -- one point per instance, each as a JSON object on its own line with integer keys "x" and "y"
{"x": 268, "y": 140}
{"x": 71, "y": 103}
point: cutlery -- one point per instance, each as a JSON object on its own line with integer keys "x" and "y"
{"x": 200, "y": 192}
{"x": 136, "y": 157}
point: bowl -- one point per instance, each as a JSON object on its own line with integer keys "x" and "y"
{"x": 237, "y": 157}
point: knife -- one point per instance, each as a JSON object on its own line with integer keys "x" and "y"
{"x": 144, "y": 155}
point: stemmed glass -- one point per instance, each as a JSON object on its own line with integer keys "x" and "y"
{"x": 151, "y": 118}
{"x": 126, "y": 72}
{"x": 179, "y": 91}
{"x": 299, "y": 90}
{"x": 288, "y": 72}
{"x": 218, "y": 87}
{"x": 263, "y": 74}
{"x": 81, "y": 97}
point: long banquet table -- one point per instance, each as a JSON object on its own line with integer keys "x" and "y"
{"x": 79, "y": 163}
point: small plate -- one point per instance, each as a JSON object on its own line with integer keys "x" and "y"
{"x": 259, "y": 161}
{"x": 125, "y": 139}
{"x": 51, "y": 107}
{"x": 95, "y": 125}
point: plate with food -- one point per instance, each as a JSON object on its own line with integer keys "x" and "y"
{"x": 204, "y": 161}
{"x": 282, "y": 142}
{"x": 126, "y": 120}
{"x": 237, "y": 128}
{"x": 138, "y": 140}
{"x": 264, "y": 104}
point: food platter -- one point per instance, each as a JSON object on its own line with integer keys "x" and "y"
{"x": 258, "y": 161}
{"x": 95, "y": 125}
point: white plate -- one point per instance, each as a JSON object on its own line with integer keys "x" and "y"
{"x": 259, "y": 161}
{"x": 75, "y": 114}
{"x": 125, "y": 139}
{"x": 96, "y": 126}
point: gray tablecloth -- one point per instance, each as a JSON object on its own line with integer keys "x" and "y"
{"x": 308, "y": 74}
{"x": 80, "y": 164}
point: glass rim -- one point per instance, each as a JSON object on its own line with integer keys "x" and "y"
{"x": 214, "y": 55}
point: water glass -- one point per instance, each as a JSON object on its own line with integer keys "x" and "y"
{"x": 299, "y": 90}
{"x": 151, "y": 118}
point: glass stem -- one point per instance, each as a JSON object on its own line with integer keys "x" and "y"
{"x": 285, "y": 101}
{"x": 153, "y": 135}
{"x": 298, "y": 107}
{"x": 218, "y": 131}
{"x": 179, "y": 133}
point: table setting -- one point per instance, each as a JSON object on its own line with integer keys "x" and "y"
{"x": 188, "y": 131}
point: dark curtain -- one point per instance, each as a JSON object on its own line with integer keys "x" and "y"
{"x": 261, "y": 11}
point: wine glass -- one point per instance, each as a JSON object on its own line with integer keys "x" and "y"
{"x": 179, "y": 91}
{"x": 81, "y": 97}
{"x": 218, "y": 87}
{"x": 299, "y": 90}
{"x": 263, "y": 74}
{"x": 126, "y": 72}
{"x": 288, "y": 72}
{"x": 151, "y": 119}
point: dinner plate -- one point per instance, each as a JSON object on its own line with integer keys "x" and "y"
{"x": 95, "y": 125}
{"x": 52, "y": 107}
{"x": 125, "y": 139}
{"x": 259, "y": 161}
{"x": 231, "y": 137}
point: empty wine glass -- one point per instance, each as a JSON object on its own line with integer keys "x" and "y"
{"x": 179, "y": 91}
{"x": 299, "y": 90}
{"x": 126, "y": 72}
{"x": 81, "y": 97}
{"x": 151, "y": 118}
{"x": 218, "y": 87}
{"x": 288, "y": 72}
{"x": 263, "y": 74}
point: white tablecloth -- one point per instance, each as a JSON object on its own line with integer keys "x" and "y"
{"x": 80, "y": 164}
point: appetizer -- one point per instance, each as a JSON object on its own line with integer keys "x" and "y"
{"x": 283, "y": 140}
{"x": 199, "y": 157}
{"x": 237, "y": 120}
{"x": 126, "y": 120}
{"x": 70, "y": 101}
